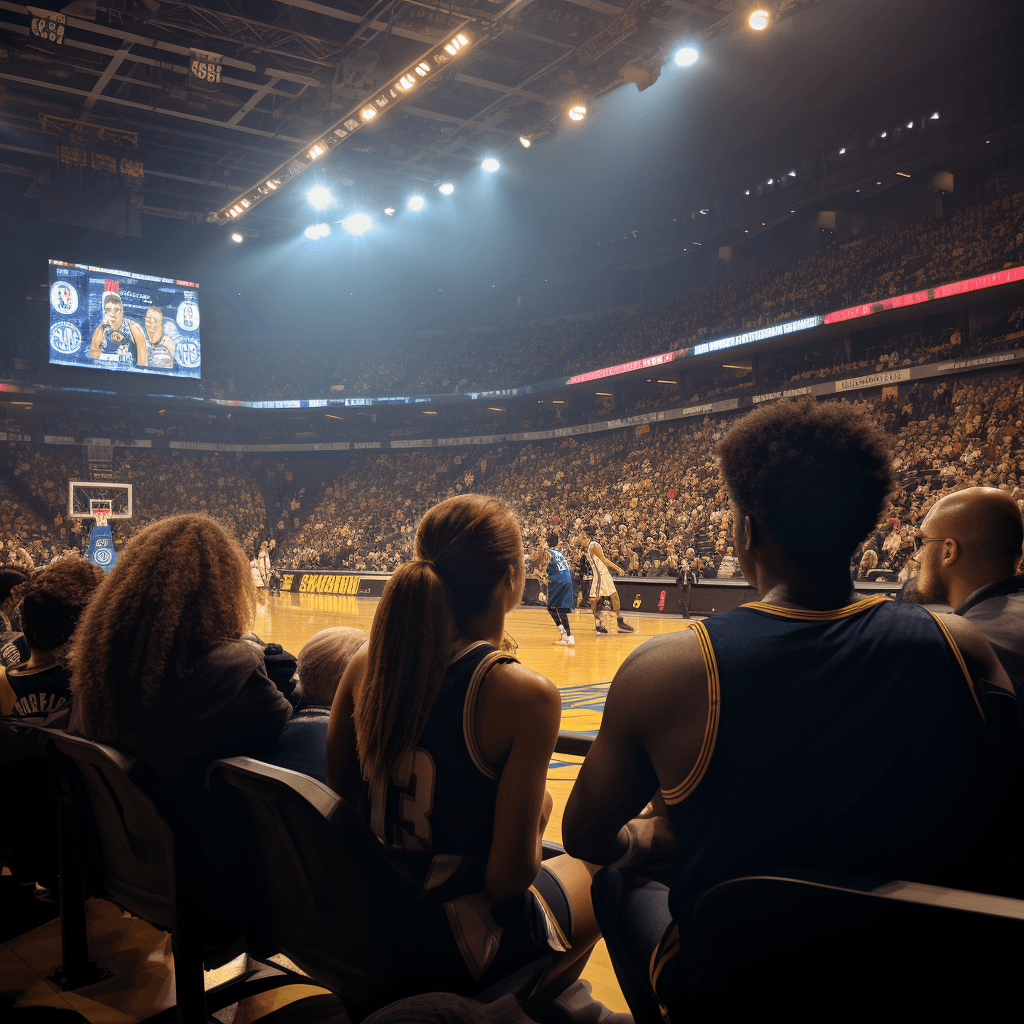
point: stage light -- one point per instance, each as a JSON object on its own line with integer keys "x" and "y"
{"x": 759, "y": 19}
{"x": 842, "y": 151}
{"x": 704, "y": 212}
{"x": 687, "y": 56}
{"x": 771, "y": 181}
{"x": 319, "y": 197}
{"x": 446, "y": 189}
{"x": 236, "y": 237}
{"x": 884, "y": 134}
{"x": 578, "y": 111}
{"x": 272, "y": 183}
{"x": 315, "y": 231}
{"x": 747, "y": 193}
{"x": 792, "y": 174}
{"x": 389, "y": 211}
{"x": 910, "y": 124}
{"x": 524, "y": 142}
{"x": 315, "y": 151}
{"x": 490, "y": 165}
{"x": 415, "y": 203}
{"x": 367, "y": 113}
{"x": 934, "y": 116}
{"x": 357, "y": 223}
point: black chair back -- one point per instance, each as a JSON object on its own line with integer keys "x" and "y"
{"x": 808, "y": 949}
{"x": 329, "y": 897}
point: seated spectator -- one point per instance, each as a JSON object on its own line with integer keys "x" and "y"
{"x": 969, "y": 551}
{"x": 37, "y": 689}
{"x": 729, "y": 566}
{"x": 455, "y": 737}
{"x": 11, "y": 576}
{"x": 160, "y": 670}
{"x": 748, "y": 731}
{"x": 302, "y": 746}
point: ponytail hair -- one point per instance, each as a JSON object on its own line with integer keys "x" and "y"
{"x": 464, "y": 548}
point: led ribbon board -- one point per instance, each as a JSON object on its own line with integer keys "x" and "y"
{"x": 368, "y": 110}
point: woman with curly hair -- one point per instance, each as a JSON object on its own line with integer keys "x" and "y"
{"x": 445, "y": 740}
{"x": 37, "y": 689}
{"x": 160, "y": 669}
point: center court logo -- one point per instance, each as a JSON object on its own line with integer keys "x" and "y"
{"x": 64, "y": 297}
{"x": 65, "y": 337}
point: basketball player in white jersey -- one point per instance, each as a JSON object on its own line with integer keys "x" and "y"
{"x": 603, "y": 586}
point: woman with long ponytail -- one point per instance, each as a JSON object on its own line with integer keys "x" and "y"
{"x": 444, "y": 740}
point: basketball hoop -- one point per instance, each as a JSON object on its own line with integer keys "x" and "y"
{"x": 101, "y": 515}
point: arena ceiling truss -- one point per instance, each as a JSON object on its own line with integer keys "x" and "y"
{"x": 191, "y": 103}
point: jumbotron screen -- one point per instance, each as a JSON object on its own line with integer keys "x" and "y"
{"x": 117, "y": 320}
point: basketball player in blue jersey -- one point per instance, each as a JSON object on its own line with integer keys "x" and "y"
{"x": 561, "y": 599}
{"x": 445, "y": 739}
{"x": 118, "y": 339}
{"x": 814, "y": 729}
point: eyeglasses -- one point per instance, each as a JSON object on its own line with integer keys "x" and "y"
{"x": 920, "y": 541}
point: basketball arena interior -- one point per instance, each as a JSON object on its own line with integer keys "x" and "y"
{"x": 511, "y": 510}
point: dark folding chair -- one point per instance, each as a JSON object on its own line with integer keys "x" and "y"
{"x": 138, "y": 851}
{"x": 326, "y": 895}
{"x": 852, "y": 949}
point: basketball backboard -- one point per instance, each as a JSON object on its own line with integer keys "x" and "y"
{"x": 86, "y": 499}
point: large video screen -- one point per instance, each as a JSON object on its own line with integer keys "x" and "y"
{"x": 116, "y": 320}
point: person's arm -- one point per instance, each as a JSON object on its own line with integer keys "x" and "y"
{"x": 520, "y": 711}
{"x": 343, "y": 772}
{"x": 7, "y": 697}
{"x": 141, "y": 348}
{"x": 656, "y": 712}
{"x": 599, "y": 552}
{"x": 97, "y": 338}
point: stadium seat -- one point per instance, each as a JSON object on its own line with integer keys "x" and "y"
{"x": 137, "y": 851}
{"x": 325, "y": 894}
{"x": 852, "y": 949}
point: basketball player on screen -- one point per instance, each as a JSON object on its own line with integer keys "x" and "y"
{"x": 117, "y": 339}
{"x": 603, "y": 585}
{"x": 159, "y": 344}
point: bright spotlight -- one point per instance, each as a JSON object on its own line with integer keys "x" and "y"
{"x": 524, "y": 142}
{"x": 446, "y": 189}
{"x": 842, "y": 151}
{"x": 771, "y": 181}
{"x": 687, "y": 56}
{"x": 884, "y": 134}
{"x": 759, "y": 19}
{"x": 910, "y": 124}
{"x": 934, "y": 116}
{"x": 367, "y": 113}
{"x": 490, "y": 165}
{"x": 315, "y": 231}
{"x": 389, "y": 211}
{"x": 236, "y": 237}
{"x": 578, "y": 111}
{"x": 792, "y": 174}
{"x": 416, "y": 203}
{"x": 319, "y": 197}
{"x": 357, "y": 223}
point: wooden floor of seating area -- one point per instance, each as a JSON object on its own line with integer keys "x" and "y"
{"x": 138, "y": 955}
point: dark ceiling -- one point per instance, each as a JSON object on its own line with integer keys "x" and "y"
{"x": 291, "y": 69}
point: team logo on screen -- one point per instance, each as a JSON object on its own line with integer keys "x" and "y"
{"x": 65, "y": 337}
{"x": 188, "y": 316}
{"x": 64, "y": 297}
{"x": 186, "y": 352}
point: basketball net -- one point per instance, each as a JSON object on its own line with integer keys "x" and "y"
{"x": 101, "y": 516}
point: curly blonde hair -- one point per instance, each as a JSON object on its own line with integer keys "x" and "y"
{"x": 180, "y": 586}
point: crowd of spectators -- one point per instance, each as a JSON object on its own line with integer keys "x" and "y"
{"x": 971, "y": 241}
{"x": 654, "y": 498}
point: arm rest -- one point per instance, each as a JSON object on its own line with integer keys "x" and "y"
{"x": 576, "y": 743}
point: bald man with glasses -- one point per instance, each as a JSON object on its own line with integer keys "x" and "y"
{"x": 969, "y": 552}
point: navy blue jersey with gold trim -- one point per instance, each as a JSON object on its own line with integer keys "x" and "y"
{"x": 849, "y": 740}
